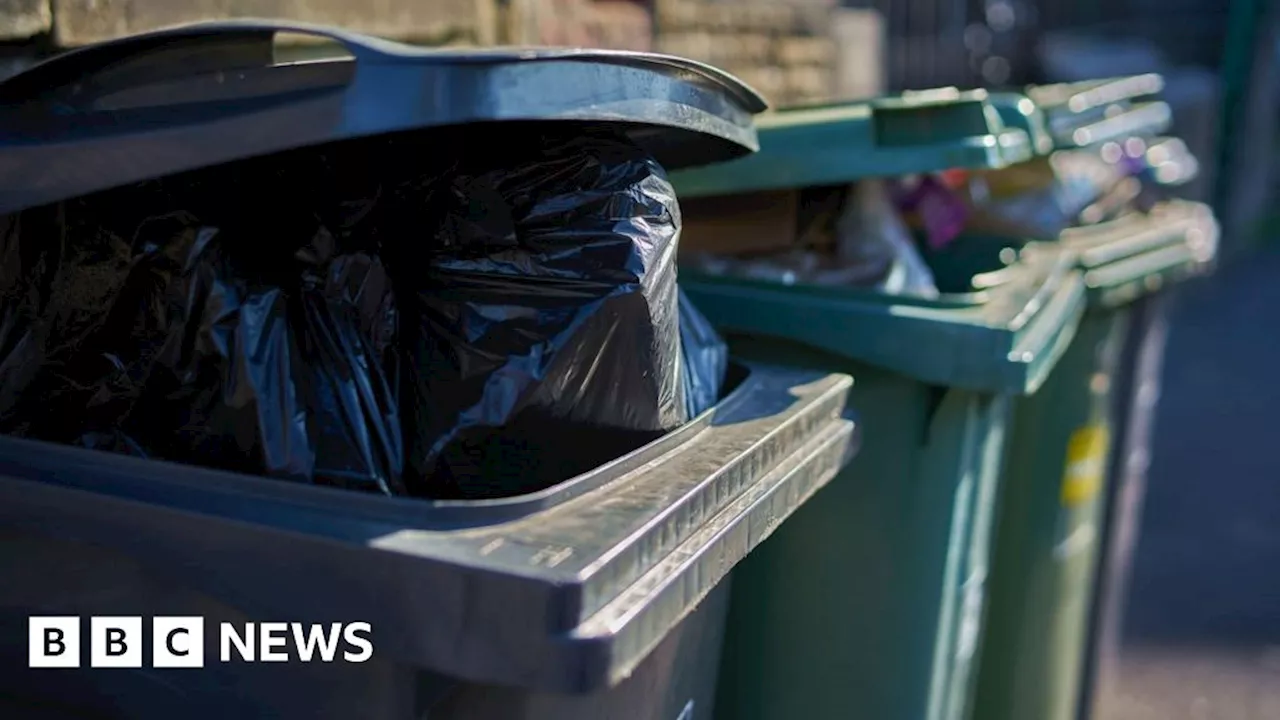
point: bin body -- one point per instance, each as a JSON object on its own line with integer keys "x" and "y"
{"x": 1068, "y": 445}
{"x": 602, "y": 596}
{"x": 869, "y": 603}
{"x": 73, "y": 578}
{"x": 1135, "y": 396}
{"x": 1049, "y": 531}
{"x": 870, "y": 606}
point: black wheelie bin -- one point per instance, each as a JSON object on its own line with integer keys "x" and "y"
{"x": 599, "y": 595}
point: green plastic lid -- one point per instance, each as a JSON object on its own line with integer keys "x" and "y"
{"x": 915, "y": 132}
{"x": 1019, "y": 111}
{"x": 1170, "y": 160}
{"x": 1141, "y": 253}
{"x": 1082, "y": 97}
{"x": 1086, "y": 114}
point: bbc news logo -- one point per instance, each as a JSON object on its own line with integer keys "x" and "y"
{"x": 178, "y": 642}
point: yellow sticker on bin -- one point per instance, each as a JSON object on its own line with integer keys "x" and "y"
{"x": 1086, "y": 464}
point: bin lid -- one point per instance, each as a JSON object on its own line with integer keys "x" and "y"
{"x": 914, "y": 132}
{"x": 1141, "y": 253}
{"x": 1090, "y": 113}
{"x": 1170, "y": 160}
{"x": 1019, "y": 111}
{"x": 1092, "y": 95}
{"x": 198, "y": 95}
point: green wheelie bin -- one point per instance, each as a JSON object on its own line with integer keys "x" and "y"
{"x": 868, "y": 604}
{"x": 1053, "y": 524}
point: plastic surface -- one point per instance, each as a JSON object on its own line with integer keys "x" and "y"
{"x": 1167, "y": 161}
{"x": 1140, "y": 253}
{"x": 1136, "y": 392}
{"x": 870, "y": 603}
{"x": 564, "y": 590}
{"x": 164, "y": 102}
{"x": 1090, "y": 113}
{"x": 839, "y": 144}
{"x": 1041, "y": 583}
{"x": 1001, "y": 334}
{"x": 1090, "y": 98}
{"x": 1060, "y": 464}
{"x": 180, "y": 322}
{"x": 541, "y": 331}
{"x": 1019, "y": 111}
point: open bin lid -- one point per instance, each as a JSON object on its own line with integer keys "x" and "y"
{"x": 1018, "y": 111}
{"x": 1084, "y": 114}
{"x": 199, "y": 95}
{"x": 1170, "y": 160}
{"x": 834, "y": 144}
{"x": 1141, "y": 253}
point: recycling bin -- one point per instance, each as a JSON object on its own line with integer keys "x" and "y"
{"x": 1055, "y": 528}
{"x": 602, "y": 596}
{"x": 869, "y": 604}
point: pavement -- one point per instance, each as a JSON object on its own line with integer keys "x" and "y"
{"x": 1202, "y": 628}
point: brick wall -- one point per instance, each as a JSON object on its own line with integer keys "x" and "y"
{"x": 76, "y": 22}
{"x": 783, "y": 48}
{"x": 612, "y": 24}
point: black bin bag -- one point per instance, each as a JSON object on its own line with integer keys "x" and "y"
{"x": 706, "y": 358}
{"x": 542, "y": 335}
{"x": 213, "y": 318}
{"x": 462, "y": 313}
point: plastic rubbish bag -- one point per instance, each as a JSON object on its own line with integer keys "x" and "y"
{"x": 540, "y": 333}
{"x": 871, "y": 232}
{"x": 253, "y": 343}
{"x": 871, "y": 248}
{"x": 455, "y": 327}
{"x": 706, "y": 359}
{"x": 1040, "y": 199}
{"x": 932, "y": 200}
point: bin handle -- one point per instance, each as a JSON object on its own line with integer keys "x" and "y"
{"x": 179, "y": 52}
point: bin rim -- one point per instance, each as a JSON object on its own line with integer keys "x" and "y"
{"x": 1139, "y": 253}
{"x": 1004, "y": 338}
{"x": 1080, "y": 97}
{"x": 1093, "y": 112}
{"x": 1019, "y": 111}
{"x": 840, "y": 143}
{"x": 1137, "y": 120}
{"x": 105, "y": 115}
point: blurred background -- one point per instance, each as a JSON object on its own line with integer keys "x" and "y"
{"x": 1201, "y": 626}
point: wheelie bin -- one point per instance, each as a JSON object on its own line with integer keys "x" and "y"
{"x": 869, "y": 603}
{"x": 1062, "y": 470}
{"x": 602, "y": 596}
